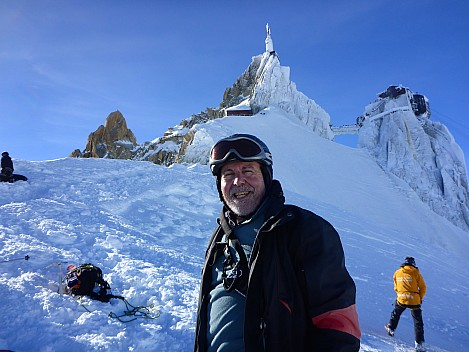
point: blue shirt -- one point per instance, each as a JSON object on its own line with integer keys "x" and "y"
{"x": 225, "y": 311}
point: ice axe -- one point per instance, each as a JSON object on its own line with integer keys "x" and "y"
{"x": 59, "y": 267}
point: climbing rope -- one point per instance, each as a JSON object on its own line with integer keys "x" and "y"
{"x": 79, "y": 300}
{"x": 131, "y": 311}
{"x": 135, "y": 312}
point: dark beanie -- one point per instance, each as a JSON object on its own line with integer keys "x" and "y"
{"x": 409, "y": 261}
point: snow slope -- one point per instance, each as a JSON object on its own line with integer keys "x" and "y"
{"x": 147, "y": 227}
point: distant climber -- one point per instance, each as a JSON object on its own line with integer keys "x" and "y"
{"x": 6, "y": 163}
{"x": 6, "y": 174}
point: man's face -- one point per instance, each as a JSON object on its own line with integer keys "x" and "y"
{"x": 242, "y": 186}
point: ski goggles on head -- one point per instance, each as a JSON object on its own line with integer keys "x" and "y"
{"x": 237, "y": 148}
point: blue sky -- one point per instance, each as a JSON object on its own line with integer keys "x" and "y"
{"x": 64, "y": 66}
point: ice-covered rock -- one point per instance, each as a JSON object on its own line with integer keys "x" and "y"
{"x": 419, "y": 151}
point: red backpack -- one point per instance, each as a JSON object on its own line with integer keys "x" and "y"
{"x": 87, "y": 280}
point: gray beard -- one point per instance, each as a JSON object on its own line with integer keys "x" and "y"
{"x": 243, "y": 206}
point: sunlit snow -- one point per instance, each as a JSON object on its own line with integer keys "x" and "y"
{"x": 147, "y": 227}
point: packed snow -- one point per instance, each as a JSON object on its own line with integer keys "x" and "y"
{"x": 147, "y": 226}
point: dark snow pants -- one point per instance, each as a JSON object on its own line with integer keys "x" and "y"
{"x": 399, "y": 308}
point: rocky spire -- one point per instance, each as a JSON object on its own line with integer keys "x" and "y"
{"x": 113, "y": 140}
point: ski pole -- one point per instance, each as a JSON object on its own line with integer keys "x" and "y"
{"x": 58, "y": 264}
{"x": 26, "y": 257}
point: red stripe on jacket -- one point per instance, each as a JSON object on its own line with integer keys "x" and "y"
{"x": 345, "y": 320}
{"x": 285, "y": 304}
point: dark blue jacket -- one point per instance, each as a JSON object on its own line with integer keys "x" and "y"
{"x": 300, "y": 296}
{"x": 7, "y": 162}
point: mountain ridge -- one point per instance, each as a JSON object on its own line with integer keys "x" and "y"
{"x": 395, "y": 129}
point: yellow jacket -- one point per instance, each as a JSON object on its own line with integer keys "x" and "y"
{"x": 409, "y": 285}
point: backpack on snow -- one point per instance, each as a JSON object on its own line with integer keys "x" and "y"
{"x": 87, "y": 280}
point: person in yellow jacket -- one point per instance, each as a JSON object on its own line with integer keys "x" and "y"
{"x": 410, "y": 288}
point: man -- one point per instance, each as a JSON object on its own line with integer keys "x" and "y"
{"x": 6, "y": 163}
{"x": 410, "y": 288}
{"x": 274, "y": 277}
{"x": 6, "y": 171}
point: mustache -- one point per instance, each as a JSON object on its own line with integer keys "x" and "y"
{"x": 242, "y": 188}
